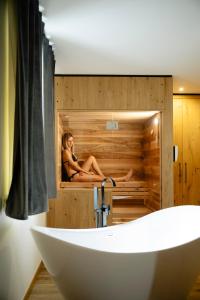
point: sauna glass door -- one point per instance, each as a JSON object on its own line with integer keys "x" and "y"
{"x": 187, "y": 137}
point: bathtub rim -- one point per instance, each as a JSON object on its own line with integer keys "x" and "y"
{"x": 51, "y": 232}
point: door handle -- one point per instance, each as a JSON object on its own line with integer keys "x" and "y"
{"x": 179, "y": 172}
{"x": 185, "y": 172}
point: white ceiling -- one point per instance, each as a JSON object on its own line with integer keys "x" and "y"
{"x": 130, "y": 37}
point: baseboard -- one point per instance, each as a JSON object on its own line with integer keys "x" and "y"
{"x": 28, "y": 292}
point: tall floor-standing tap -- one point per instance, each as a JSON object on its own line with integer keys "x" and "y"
{"x": 104, "y": 210}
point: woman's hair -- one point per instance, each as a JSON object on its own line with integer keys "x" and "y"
{"x": 65, "y": 138}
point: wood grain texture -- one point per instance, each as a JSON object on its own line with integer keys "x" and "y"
{"x": 44, "y": 287}
{"x": 191, "y": 153}
{"x": 96, "y": 93}
{"x": 58, "y": 142}
{"x": 115, "y": 150}
{"x": 187, "y": 137}
{"x": 74, "y": 208}
{"x": 128, "y": 184}
{"x": 167, "y": 190}
{"x": 178, "y": 140}
{"x": 118, "y": 94}
{"x": 37, "y": 274}
{"x": 152, "y": 161}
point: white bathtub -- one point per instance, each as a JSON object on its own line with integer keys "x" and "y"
{"x": 156, "y": 257}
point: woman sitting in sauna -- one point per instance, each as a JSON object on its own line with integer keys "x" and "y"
{"x": 89, "y": 171}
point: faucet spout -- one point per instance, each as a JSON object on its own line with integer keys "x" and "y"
{"x": 103, "y": 187}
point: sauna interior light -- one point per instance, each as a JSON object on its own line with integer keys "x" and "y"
{"x": 181, "y": 89}
{"x": 156, "y": 121}
{"x": 139, "y": 114}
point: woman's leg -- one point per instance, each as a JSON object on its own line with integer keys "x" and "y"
{"x": 92, "y": 162}
{"x": 87, "y": 177}
{"x": 127, "y": 177}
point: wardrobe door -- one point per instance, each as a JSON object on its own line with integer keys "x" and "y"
{"x": 177, "y": 137}
{"x": 191, "y": 151}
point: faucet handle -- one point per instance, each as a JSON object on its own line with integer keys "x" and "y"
{"x": 113, "y": 182}
{"x": 102, "y": 189}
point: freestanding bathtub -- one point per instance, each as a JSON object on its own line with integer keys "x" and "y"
{"x": 156, "y": 257}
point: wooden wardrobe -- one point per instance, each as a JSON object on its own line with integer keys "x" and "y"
{"x": 186, "y": 120}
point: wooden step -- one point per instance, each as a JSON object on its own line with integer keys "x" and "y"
{"x": 131, "y": 210}
{"x": 130, "y": 193}
{"x": 129, "y": 196}
{"x": 128, "y": 213}
{"x": 127, "y": 201}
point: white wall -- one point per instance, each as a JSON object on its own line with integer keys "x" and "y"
{"x": 19, "y": 257}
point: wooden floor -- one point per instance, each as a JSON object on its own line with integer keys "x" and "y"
{"x": 44, "y": 288}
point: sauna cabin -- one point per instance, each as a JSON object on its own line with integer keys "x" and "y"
{"x": 125, "y": 122}
{"x": 119, "y": 141}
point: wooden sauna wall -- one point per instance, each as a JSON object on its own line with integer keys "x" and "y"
{"x": 87, "y": 93}
{"x": 75, "y": 209}
{"x": 59, "y": 133}
{"x": 152, "y": 159}
{"x": 116, "y": 150}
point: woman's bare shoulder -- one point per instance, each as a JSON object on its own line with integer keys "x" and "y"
{"x": 66, "y": 154}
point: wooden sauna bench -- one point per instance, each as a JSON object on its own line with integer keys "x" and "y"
{"x": 129, "y": 199}
{"x": 129, "y": 191}
{"x": 129, "y": 184}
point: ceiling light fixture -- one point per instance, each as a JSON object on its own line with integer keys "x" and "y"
{"x": 156, "y": 121}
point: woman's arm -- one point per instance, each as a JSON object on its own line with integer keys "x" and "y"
{"x": 74, "y": 165}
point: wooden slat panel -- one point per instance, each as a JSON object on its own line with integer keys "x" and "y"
{"x": 92, "y": 132}
{"x": 113, "y": 92}
{"x": 128, "y": 184}
{"x": 166, "y": 150}
{"x": 178, "y": 140}
{"x": 74, "y": 208}
{"x": 191, "y": 154}
{"x": 132, "y": 193}
{"x": 116, "y": 150}
{"x": 127, "y": 126}
{"x": 152, "y": 161}
{"x": 119, "y": 93}
{"x": 59, "y": 92}
{"x": 81, "y": 139}
{"x": 58, "y": 142}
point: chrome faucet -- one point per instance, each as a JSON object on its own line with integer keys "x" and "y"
{"x": 103, "y": 211}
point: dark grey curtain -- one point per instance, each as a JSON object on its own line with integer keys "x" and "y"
{"x": 28, "y": 194}
{"x": 49, "y": 111}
